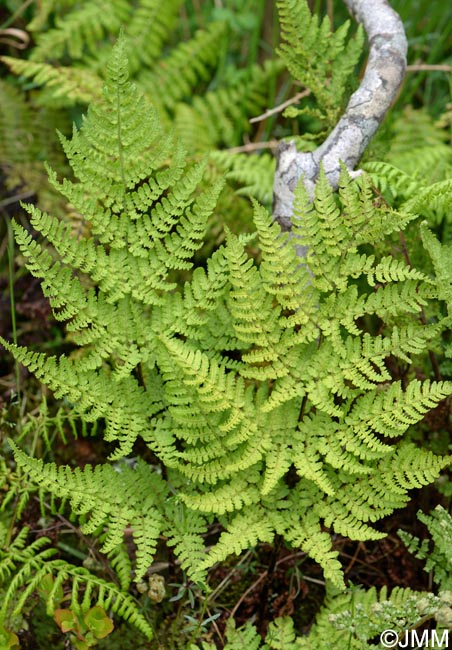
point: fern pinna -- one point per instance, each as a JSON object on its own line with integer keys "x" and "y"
{"x": 255, "y": 383}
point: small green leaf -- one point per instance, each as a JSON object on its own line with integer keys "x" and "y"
{"x": 80, "y": 644}
{"x": 98, "y": 622}
{"x": 8, "y": 640}
{"x": 66, "y": 620}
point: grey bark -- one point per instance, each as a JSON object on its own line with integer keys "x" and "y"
{"x": 365, "y": 111}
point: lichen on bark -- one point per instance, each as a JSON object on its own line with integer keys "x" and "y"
{"x": 364, "y": 113}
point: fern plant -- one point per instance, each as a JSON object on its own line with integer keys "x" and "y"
{"x": 356, "y": 620}
{"x": 439, "y": 524}
{"x": 254, "y": 385}
{"x": 182, "y": 75}
{"x": 327, "y": 75}
{"x": 28, "y": 568}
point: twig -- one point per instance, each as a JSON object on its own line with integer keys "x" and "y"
{"x": 254, "y": 146}
{"x": 419, "y": 67}
{"x": 249, "y": 590}
{"x": 16, "y": 198}
{"x": 277, "y": 109}
{"x": 263, "y": 575}
{"x": 17, "y": 38}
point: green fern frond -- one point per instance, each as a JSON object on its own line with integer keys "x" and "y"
{"x": 243, "y": 531}
{"x": 173, "y": 78}
{"x": 106, "y": 594}
{"x": 253, "y": 174}
{"x": 414, "y": 468}
{"x": 19, "y": 551}
{"x": 33, "y": 564}
{"x": 27, "y": 137}
{"x": 387, "y": 176}
{"x": 335, "y": 58}
{"x": 216, "y": 118}
{"x": 281, "y": 634}
{"x": 121, "y": 564}
{"x": 117, "y": 499}
{"x": 280, "y": 270}
{"x": 245, "y": 637}
{"x": 428, "y": 156}
{"x": 147, "y": 29}
{"x": 186, "y": 529}
{"x": 389, "y": 412}
{"x": 65, "y": 85}
{"x": 440, "y": 255}
{"x": 433, "y": 201}
{"x": 229, "y": 497}
{"x": 82, "y": 28}
{"x": 305, "y": 532}
{"x": 439, "y": 524}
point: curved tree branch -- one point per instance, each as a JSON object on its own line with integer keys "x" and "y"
{"x": 365, "y": 111}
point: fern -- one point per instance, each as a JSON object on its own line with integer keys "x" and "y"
{"x": 65, "y": 85}
{"x": 173, "y": 77}
{"x": 33, "y": 564}
{"x": 356, "y": 620}
{"x": 250, "y": 373}
{"x": 439, "y": 524}
{"x": 334, "y": 61}
{"x": 82, "y": 28}
{"x": 221, "y": 114}
{"x": 110, "y": 497}
{"x": 253, "y": 174}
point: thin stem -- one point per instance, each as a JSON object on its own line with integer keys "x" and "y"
{"x": 253, "y": 146}
{"x": 9, "y": 21}
{"x": 13, "y": 305}
{"x": 270, "y": 574}
{"x": 277, "y": 109}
